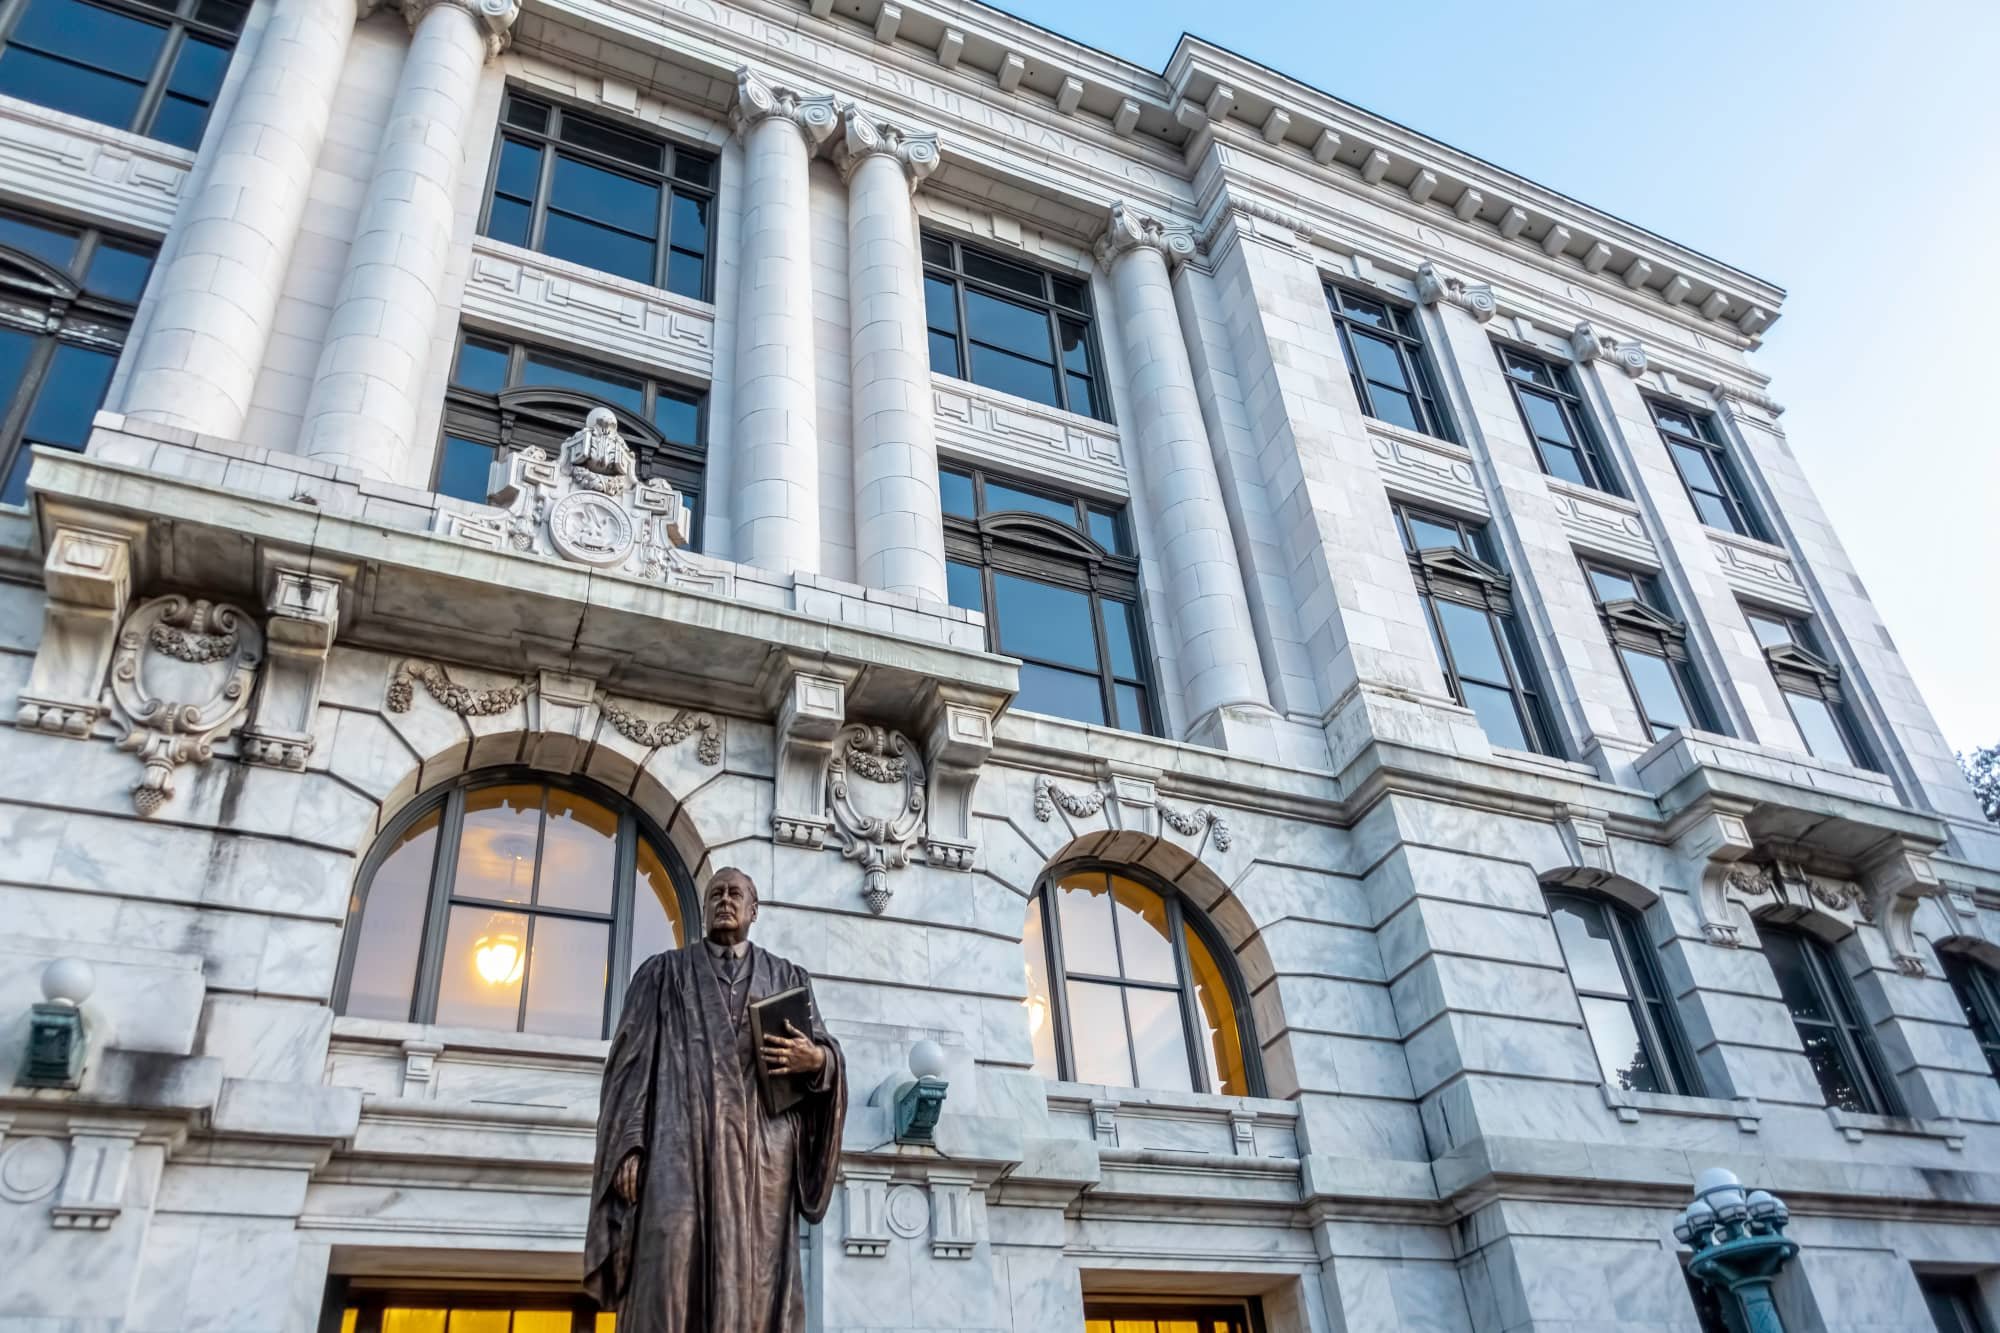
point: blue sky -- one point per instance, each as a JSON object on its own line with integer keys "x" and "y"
{"x": 1848, "y": 152}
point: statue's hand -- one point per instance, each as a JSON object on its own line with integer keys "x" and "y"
{"x": 793, "y": 1054}
{"x": 626, "y": 1182}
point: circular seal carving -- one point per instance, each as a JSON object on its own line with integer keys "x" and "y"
{"x": 907, "y": 1212}
{"x": 591, "y": 529}
{"x": 30, "y": 1170}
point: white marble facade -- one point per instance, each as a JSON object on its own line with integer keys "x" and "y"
{"x": 239, "y": 636}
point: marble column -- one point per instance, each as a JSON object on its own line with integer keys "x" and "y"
{"x": 1168, "y": 442}
{"x": 363, "y": 409}
{"x": 776, "y": 436}
{"x": 898, "y": 525}
{"x": 216, "y": 300}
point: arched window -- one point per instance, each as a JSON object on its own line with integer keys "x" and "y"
{"x": 513, "y": 902}
{"x": 1977, "y": 987}
{"x": 1841, "y": 1050}
{"x": 1625, "y": 1007}
{"x": 1145, "y": 1000}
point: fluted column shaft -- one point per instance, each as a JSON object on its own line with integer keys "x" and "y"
{"x": 776, "y": 436}
{"x": 898, "y": 523}
{"x": 363, "y": 409}
{"x": 1205, "y": 602}
{"x": 216, "y": 300}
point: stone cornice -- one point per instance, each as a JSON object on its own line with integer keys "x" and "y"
{"x": 1213, "y": 88}
{"x": 756, "y": 101}
{"x": 862, "y": 136}
{"x": 1129, "y": 230}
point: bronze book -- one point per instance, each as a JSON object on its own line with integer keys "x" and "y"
{"x": 781, "y": 1092}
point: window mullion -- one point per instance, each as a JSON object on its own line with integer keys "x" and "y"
{"x": 1191, "y": 1024}
{"x": 1058, "y": 976}
{"x": 154, "y": 91}
{"x": 437, "y": 915}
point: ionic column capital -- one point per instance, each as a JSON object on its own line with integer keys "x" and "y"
{"x": 916, "y": 151}
{"x": 757, "y": 101}
{"x": 1129, "y": 230}
{"x": 493, "y": 18}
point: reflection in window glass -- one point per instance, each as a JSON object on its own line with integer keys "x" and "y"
{"x": 1010, "y": 327}
{"x": 392, "y": 929}
{"x": 520, "y": 926}
{"x": 1136, "y": 975}
{"x": 1625, "y": 1007}
{"x": 1840, "y": 1051}
{"x": 1552, "y": 411}
{"x": 102, "y": 62}
{"x": 582, "y": 189}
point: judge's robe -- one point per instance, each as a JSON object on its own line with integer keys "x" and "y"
{"x": 711, "y": 1245}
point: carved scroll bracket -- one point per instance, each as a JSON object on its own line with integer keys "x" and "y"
{"x": 1897, "y": 879}
{"x": 181, "y": 679}
{"x": 876, "y": 792}
{"x": 1474, "y": 298}
{"x": 1711, "y": 847}
{"x": 1588, "y": 846}
{"x": 303, "y": 607}
{"x": 1589, "y": 343}
{"x": 87, "y": 579}
{"x": 958, "y": 736}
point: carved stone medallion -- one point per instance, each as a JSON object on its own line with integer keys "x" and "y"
{"x": 591, "y": 529}
{"x": 181, "y": 680}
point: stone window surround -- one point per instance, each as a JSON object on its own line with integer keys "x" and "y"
{"x": 447, "y": 802}
{"x": 108, "y": 176}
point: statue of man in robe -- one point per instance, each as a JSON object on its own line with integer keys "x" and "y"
{"x": 697, "y": 1189}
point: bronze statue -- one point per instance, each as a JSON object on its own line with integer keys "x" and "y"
{"x": 697, "y": 1189}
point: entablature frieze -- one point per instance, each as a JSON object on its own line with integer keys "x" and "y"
{"x": 1064, "y": 170}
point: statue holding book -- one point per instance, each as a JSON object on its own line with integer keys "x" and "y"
{"x": 718, "y": 1128}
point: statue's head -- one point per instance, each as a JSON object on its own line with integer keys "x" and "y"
{"x": 729, "y": 905}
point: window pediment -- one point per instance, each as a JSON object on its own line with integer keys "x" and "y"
{"x": 1789, "y": 657}
{"x": 1627, "y": 614}
{"x": 1449, "y": 562}
{"x": 1032, "y": 529}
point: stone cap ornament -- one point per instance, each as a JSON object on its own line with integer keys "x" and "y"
{"x": 587, "y": 505}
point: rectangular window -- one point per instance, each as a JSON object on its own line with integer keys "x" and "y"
{"x": 1012, "y": 327}
{"x": 1124, "y": 1315}
{"x": 1953, "y": 1301}
{"x": 1811, "y": 686}
{"x": 1058, "y": 582}
{"x": 511, "y": 395}
{"x": 1976, "y": 987}
{"x": 67, "y": 297}
{"x": 1468, "y": 605}
{"x": 611, "y": 199}
{"x": 1552, "y": 413}
{"x": 1652, "y": 651}
{"x": 1386, "y": 357}
{"x": 150, "y": 66}
{"x": 1694, "y": 442}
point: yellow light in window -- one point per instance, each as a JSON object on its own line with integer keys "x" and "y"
{"x": 497, "y": 956}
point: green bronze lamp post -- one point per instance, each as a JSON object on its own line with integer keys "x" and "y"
{"x": 1739, "y": 1247}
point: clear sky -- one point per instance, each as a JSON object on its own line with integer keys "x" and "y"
{"x": 1848, "y": 152}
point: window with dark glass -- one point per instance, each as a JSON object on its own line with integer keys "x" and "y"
{"x": 509, "y": 396}
{"x": 67, "y": 297}
{"x": 1552, "y": 411}
{"x": 1469, "y": 607}
{"x": 1841, "y": 1051}
{"x": 1694, "y": 442}
{"x": 1012, "y": 327}
{"x": 1126, "y": 1315}
{"x": 1652, "y": 651}
{"x": 1386, "y": 357}
{"x": 1058, "y": 582}
{"x": 598, "y": 194}
{"x": 1954, "y": 1303}
{"x": 1709, "y": 1303}
{"x": 514, "y": 903}
{"x": 1615, "y": 972}
{"x": 1126, "y": 988}
{"x": 150, "y": 66}
{"x": 1977, "y": 988}
{"x": 1811, "y": 686}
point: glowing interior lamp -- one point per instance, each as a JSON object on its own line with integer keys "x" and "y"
{"x": 498, "y": 956}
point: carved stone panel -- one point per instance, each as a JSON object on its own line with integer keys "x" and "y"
{"x": 876, "y": 792}
{"x": 181, "y": 681}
